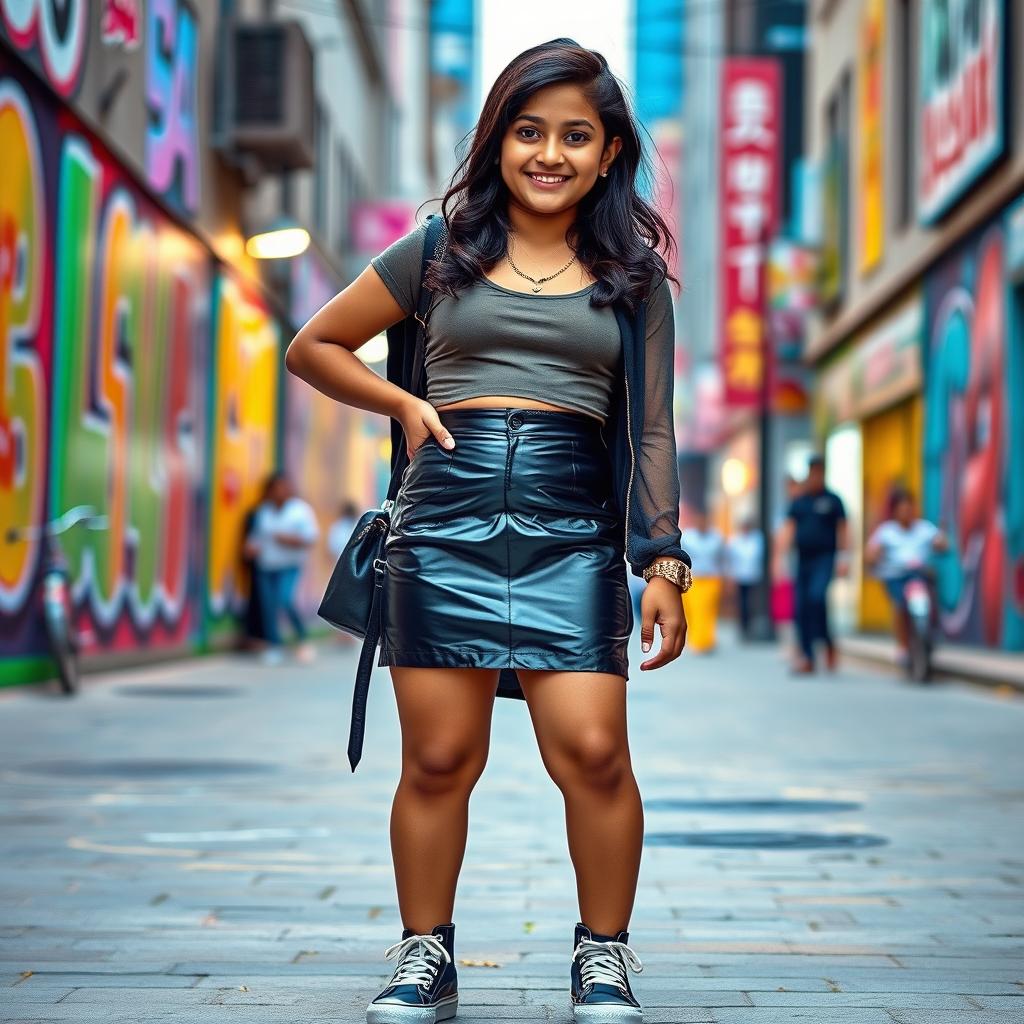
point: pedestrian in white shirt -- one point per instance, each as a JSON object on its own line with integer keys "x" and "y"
{"x": 744, "y": 560}
{"x": 901, "y": 548}
{"x": 285, "y": 528}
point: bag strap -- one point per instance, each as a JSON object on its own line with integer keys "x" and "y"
{"x": 399, "y": 358}
{"x": 413, "y": 330}
{"x": 434, "y": 242}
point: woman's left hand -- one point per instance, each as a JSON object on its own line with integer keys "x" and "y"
{"x": 662, "y": 603}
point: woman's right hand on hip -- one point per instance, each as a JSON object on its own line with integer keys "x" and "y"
{"x": 420, "y": 421}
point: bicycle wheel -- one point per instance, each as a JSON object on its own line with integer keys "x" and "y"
{"x": 920, "y": 657}
{"x": 63, "y": 652}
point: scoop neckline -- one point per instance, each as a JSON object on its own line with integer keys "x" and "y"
{"x": 537, "y": 295}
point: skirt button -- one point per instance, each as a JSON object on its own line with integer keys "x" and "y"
{"x": 515, "y": 422}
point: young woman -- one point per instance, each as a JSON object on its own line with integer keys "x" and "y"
{"x": 507, "y": 541}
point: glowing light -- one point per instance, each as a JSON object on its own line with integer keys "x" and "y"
{"x": 735, "y": 477}
{"x": 278, "y": 243}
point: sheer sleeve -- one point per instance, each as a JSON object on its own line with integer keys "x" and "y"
{"x": 657, "y": 470}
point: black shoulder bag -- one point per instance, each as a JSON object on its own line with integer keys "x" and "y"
{"x": 352, "y": 599}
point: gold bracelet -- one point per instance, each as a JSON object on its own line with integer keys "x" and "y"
{"x": 673, "y": 569}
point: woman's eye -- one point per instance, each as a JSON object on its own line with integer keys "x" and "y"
{"x": 583, "y": 136}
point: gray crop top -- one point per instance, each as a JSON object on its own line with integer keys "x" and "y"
{"x": 491, "y": 340}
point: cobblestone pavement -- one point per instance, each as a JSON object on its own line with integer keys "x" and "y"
{"x": 187, "y": 843}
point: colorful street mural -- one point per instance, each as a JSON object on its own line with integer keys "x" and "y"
{"x": 138, "y": 376}
{"x": 51, "y": 35}
{"x": 243, "y": 429}
{"x": 172, "y": 138}
{"x": 974, "y": 424}
{"x": 103, "y": 334}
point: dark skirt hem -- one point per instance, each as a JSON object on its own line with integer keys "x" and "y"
{"x": 448, "y": 657}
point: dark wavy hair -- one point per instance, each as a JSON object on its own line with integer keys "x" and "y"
{"x": 616, "y": 234}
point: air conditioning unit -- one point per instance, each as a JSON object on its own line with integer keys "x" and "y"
{"x": 270, "y": 101}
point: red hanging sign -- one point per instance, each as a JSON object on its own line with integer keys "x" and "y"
{"x": 750, "y": 148}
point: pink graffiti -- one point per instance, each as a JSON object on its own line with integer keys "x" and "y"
{"x": 980, "y": 523}
{"x": 58, "y": 28}
{"x": 121, "y": 23}
{"x": 172, "y": 146}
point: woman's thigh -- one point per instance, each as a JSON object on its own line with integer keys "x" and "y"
{"x": 579, "y": 719}
{"x": 445, "y": 716}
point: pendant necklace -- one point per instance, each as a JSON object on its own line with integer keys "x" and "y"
{"x": 539, "y": 282}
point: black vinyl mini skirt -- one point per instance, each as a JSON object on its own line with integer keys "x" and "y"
{"x": 507, "y": 551}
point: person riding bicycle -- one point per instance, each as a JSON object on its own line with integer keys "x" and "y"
{"x": 899, "y": 550}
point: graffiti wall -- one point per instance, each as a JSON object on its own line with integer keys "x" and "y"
{"x": 52, "y": 35}
{"x": 172, "y": 135}
{"x": 137, "y": 377}
{"x": 243, "y": 430}
{"x": 103, "y": 311}
{"x": 973, "y": 439}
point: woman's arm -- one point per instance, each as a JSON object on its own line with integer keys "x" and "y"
{"x": 657, "y": 487}
{"x": 657, "y": 469}
{"x": 322, "y": 353}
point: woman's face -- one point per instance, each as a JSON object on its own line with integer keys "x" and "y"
{"x": 557, "y": 133}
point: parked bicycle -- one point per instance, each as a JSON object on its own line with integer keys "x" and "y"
{"x": 54, "y": 588}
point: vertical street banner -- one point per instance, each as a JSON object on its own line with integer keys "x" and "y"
{"x": 750, "y": 149}
{"x": 870, "y": 86}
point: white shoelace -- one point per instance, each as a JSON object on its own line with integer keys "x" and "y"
{"x": 418, "y": 967}
{"x": 609, "y": 968}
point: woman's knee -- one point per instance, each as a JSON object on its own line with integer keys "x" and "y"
{"x": 597, "y": 758}
{"x": 439, "y": 767}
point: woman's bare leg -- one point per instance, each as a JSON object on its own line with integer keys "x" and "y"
{"x": 580, "y": 722}
{"x": 446, "y": 727}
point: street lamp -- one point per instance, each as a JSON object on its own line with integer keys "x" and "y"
{"x": 280, "y": 239}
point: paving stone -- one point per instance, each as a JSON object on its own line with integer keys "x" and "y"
{"x": 159, "y": 892}
{"x": 955, "y": 1017}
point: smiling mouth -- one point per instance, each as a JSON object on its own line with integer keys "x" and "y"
{"x": 548, "y": 179}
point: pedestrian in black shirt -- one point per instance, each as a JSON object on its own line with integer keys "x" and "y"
{"x": 816, "y": 526}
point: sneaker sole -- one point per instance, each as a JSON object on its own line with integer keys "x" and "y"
{"x": 395, "y": 1013}
{"x": 598, "y": 1014}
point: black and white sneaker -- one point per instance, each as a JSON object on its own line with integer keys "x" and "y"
{"x": 600, "y": 986}
{"x": 425, "y": 986}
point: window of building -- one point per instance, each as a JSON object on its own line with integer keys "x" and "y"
{"x": 349, "y": 192}
{"x": 321, "y": 163}
{"x": 836, "y": 186}
{"x": 904, "y": 108}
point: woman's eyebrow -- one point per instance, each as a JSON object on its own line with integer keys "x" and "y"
{"x": 565, "y": 124}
